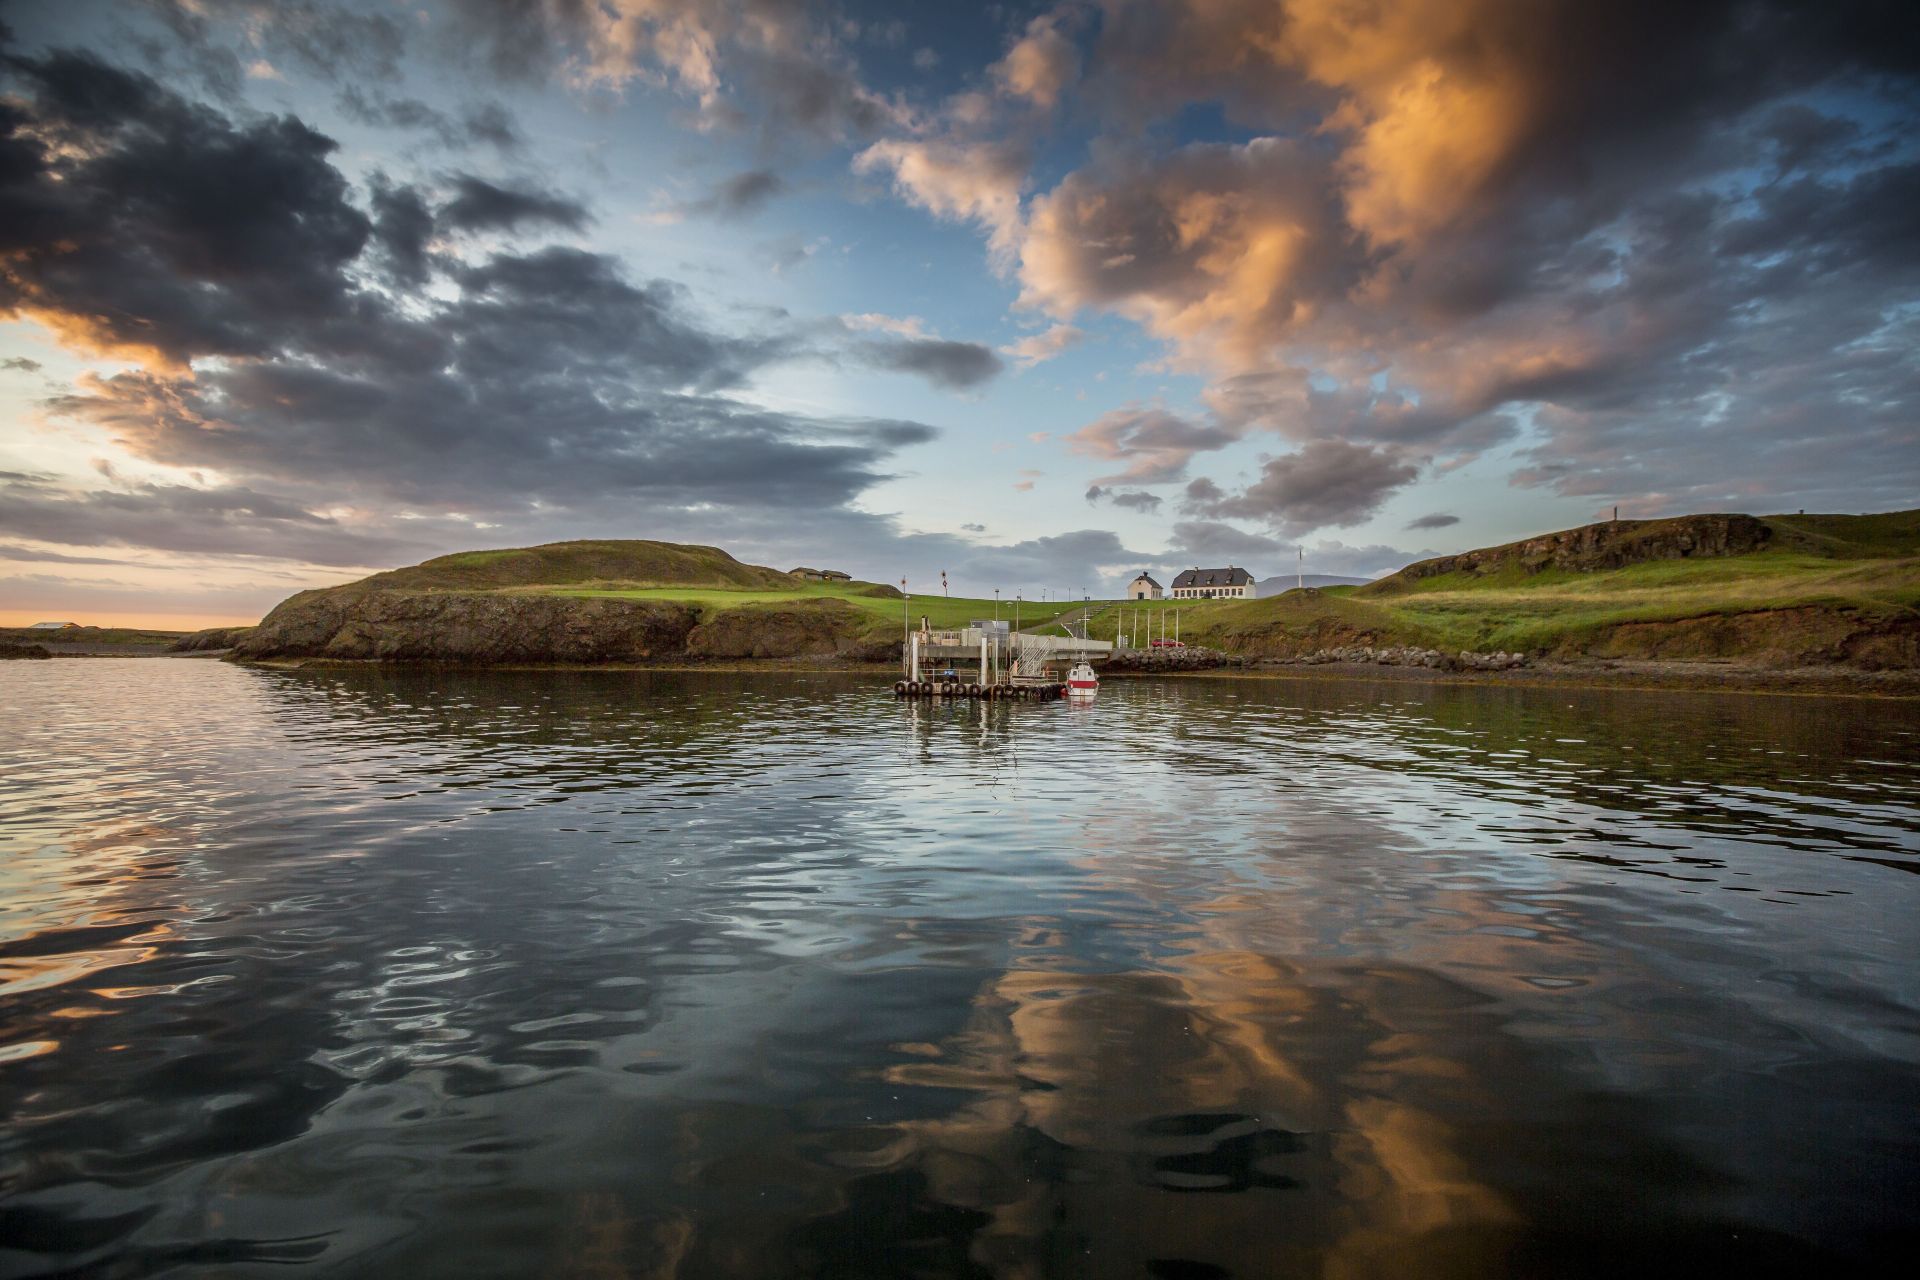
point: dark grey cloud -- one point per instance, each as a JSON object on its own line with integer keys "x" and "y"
{"x": 742, "y": 194}
{"x": 1154, "y": 445}
{"x": 776, "y": 66}
{"x": 328, "y": 38}
{"x": 403, "y": 225}
{"x": 1080, "y": 560}
{"x": 958, "y": 366}
{"x": 479, "y": 205}
{"x": 229, "y": 521}
{"x": 524, "y": 389}
{"x": 559, "y": 382}
{"x": 1438, "y": 520}
{"x": 1214, "y": 543}
{"x": 153, "y": 224}
{"x": 473, "y": 124}
{"x": 20, "y": 364}
{"x": 736, "y": 197}
{"x": 1132, "y": 499}
{"x": 13, "y": 551}
{"x": 1328, "y": 483}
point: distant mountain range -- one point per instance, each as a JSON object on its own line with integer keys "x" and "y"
{"x": 1287, "y": 582}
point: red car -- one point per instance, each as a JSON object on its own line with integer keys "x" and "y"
{"x": 1168, "y": 644}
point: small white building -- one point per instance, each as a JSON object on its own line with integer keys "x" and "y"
{"x": 1144, "y": 588}
{"x": 1231, "y": 583}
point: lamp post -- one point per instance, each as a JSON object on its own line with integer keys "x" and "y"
{"x": 906, "y": 622}
{"x": 996, "y": 604}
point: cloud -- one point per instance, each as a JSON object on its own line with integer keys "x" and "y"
{"x": 475, "y": 124}
{"x": 1219, "y": 249}
{"x": 21, "y": 364}
{"x": 738, "y": 60}
{"x": 1132, "y": 499}
{"x": 1154, "y": 445}
{"x": 1326, "y": 483}
{"x": 1438, "y": 520}
{"x": 1370, "y": 561}
{"x": 13, "y": 551}
{"x": 910, "y": 348}
{"x": 403, "y": 227}
{"x": 1213, "y": 542}
{"x": 522, "y": 389}
{"x": 742, "y": 194}
{"x": 1083, "y": 559}
{"x": 228, "y": 520}
{"x": 331, "y": 40}
{"x": 975, "y": 182}
{"x": 479, "y": 205}
{"x": 1035, "y": 348}
{"x": 138, "y": 225}
{"x": 1207, "y": 542}
{"x": 1447, "y": 233}
{"x": 958, "y": 366}
{"x": 1041, "y": 64}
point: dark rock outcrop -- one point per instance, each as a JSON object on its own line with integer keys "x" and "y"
{"x": 493, "y": 628}
{"x": 1408, "y": 656}
{"x": 808, "y": 628}
{"x": 1613, "y": 544}
{"x": 1192, "y": 657}
{"x": 1802, "y": 636}
{"x": 11, "y": 650}
{"x": 212, "y": 638}
{"x": 478, "y": 628}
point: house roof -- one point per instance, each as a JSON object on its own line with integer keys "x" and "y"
{"x": 1228, "y": 577}
{"x": 1146, "y": 578}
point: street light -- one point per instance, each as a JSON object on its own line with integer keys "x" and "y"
{"x": 996, "y": 604}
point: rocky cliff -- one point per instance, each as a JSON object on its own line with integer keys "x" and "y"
{"x": 505, "y": 628}
{"x": 1613, "y": 544}
{"x": 468, "y": 627}
{"x": 209, "y": 640}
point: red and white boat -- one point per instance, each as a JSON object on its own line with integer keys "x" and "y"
{"x": 1082, "y": 682}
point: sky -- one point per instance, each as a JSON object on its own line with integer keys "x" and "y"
{"x": 1034, "y": 295}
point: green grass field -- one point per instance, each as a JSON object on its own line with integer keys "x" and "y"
{"x": 886, "y": 613}
{"x": 1866, "y": 567}
{"x": 1555, "y": 606}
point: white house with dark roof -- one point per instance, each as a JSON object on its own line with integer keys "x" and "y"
{"x": 1231, "y": 583}
{"x": 1144, "y": 588}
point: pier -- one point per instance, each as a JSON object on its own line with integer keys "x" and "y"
{"x": 991, "y": 660}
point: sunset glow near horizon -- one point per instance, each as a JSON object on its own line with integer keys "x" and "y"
{"x": 1039, "y": 295}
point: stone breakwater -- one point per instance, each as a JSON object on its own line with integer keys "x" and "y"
{"x": 1191, "y": 658}
{"x": 1408, "y": 656}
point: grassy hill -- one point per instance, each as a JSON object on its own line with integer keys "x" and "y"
{"x": 627, "y": 562}
{"x": 1783, "y": 589}
{"x": 599, "y": 601}
{"x": 706, "y": 578}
